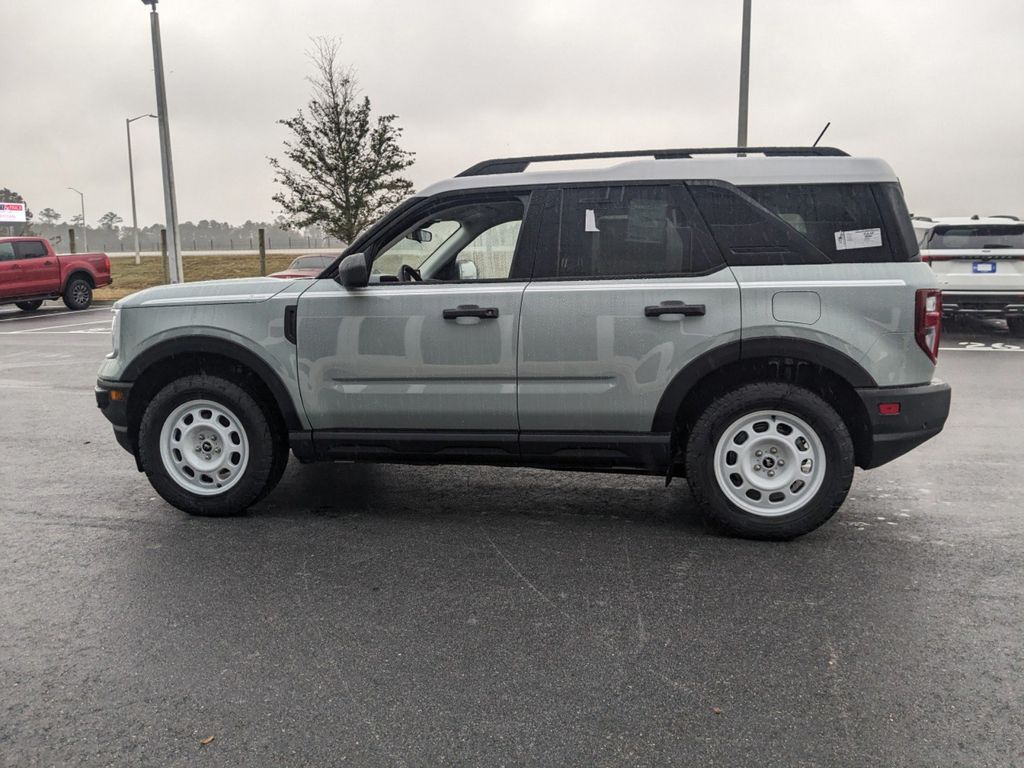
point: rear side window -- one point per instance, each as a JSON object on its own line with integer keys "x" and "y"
{"x": 30, "y": 249}
{"x": 7, "y": 252}
{"x": 976, "y": 236}
{"x": 631, "y": 231}
{"x": 749, "y": 233}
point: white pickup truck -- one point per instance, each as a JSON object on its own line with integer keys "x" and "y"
{"x": 979, "y": 262}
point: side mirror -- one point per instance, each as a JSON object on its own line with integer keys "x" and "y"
{"x": 354, "y": 270}
{"x": 420, "y": 235}
{"x": 467, "y": 270}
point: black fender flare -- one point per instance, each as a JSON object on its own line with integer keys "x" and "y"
{"x": 190, "y": 345}
{"x": 814, "y": 352}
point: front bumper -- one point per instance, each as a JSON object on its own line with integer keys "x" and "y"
{"x": 922, "y": 413}
{"x": 112, "y": 399}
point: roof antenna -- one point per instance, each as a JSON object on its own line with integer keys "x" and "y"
{"x": 821, "y": 134}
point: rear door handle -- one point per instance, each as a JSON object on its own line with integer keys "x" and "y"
{"x": 470, "y": 310}
{"x": 675, "y": 308}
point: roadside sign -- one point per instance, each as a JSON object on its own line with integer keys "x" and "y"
{"x": 12, "y": 212}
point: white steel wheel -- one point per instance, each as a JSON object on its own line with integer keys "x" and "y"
{"x": 769, "y": 463}
{"x": 204, "y": 447}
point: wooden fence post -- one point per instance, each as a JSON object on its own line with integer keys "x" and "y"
{"x": 163, "y": 255}
{"x": 263, "y": 253}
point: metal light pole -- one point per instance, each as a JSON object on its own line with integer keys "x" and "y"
{"x": 741, "y": 133}
{"x": 85, "y": 232}
{"x": 131, "y": 180}
{"x": 174, "y": 270}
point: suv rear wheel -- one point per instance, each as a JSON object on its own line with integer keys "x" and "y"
{"x": 208, "y": 447}
{"x": 1016, "y": 326}
{"x": 769, "y": 461}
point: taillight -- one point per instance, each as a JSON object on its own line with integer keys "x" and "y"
{"x": 928, "y": 258}
{"x": 928, "y": 321}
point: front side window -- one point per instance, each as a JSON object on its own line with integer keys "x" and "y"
{"x": 632, "y": 231}
{"x": 469, "y": 240}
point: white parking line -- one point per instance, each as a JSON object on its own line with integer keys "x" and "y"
{"x": 46, "y": 328}
{"x": 978, "y": 349}
{"x": 22, "y": 317}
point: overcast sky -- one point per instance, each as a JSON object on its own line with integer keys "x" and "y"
{"x": 931, "y": 86}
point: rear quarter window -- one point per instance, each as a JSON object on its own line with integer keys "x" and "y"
{"x": 846, "y": 222}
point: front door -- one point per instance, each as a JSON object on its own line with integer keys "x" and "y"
{"x": 426, "y": 353}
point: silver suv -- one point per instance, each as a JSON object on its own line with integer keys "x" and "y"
{"x": 758, "y": 321}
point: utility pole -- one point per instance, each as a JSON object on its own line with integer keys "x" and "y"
{"x": 174, "y": 269}
{"x": 741, "y": 133}
{"x": 131, "y": 180}
{"x": 85, "y": 232}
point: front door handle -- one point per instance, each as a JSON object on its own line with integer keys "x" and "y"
{"x": 470, "y": 310}
{"x": 675, "y": 308}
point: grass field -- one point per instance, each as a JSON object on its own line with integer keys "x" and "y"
{"x": 129, "y": 278}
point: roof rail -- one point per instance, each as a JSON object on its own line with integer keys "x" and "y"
{"x": 520, "y": 164}
{"x": 1004, "y": 216}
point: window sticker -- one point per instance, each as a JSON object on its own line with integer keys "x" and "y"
{"x": 858, "y": 238}
{"x": 646, "y": 221}
{"x": 590, "y": 222}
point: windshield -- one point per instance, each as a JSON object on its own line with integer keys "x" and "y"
{"x": 977, "y": 236}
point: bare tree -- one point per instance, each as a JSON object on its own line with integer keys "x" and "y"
{"x": 347, "y": 165}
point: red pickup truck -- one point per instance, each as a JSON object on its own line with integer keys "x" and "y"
{"x": 30, "y": 273}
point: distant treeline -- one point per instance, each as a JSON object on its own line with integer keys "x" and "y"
{"x": 206, "y": 235}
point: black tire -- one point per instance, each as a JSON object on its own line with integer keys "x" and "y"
{"x": 29, "y": 306}
{"x": 267, "y": 451}
{"x": 787, "y": 399}
{"x": 1016, "y": 326}
{"x": 77, "y": 293}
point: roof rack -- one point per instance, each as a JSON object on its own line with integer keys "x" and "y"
{"x": 520, "y": 164}
{"x": 1004, "y": 216}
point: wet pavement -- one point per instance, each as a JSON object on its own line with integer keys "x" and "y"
{"x": 389, "y": 615}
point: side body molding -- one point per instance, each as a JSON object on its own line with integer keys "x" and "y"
{"x": 752, "y": 349}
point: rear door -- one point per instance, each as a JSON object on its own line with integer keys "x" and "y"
{"x": 429, "y": 363}
{"x": 628, "y": 289}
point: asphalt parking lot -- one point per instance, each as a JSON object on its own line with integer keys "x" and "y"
{"x": 387, "y": 615}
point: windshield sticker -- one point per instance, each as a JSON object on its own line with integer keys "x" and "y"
{"x": 858, "y": 238}
{"x": 590, "y": 223}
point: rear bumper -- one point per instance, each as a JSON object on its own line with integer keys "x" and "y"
{"x": 922, "y": 413}
{"x": 115, "y": 408}
{"x": 990, "y": 303}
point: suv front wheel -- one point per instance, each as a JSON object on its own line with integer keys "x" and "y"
{"x": 769, "y": 461}
{"x": 208, "y": 447}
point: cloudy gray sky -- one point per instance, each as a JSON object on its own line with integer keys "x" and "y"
{"x": 931, "y": 86}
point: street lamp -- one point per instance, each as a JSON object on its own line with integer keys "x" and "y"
{"x": 174, "y": 269}
{"x": 131, "y": 180}
{"x": 741, "y": 133}
{"x": 85, "y": 231}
